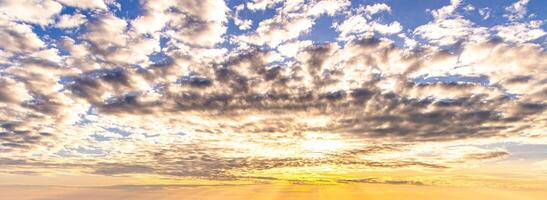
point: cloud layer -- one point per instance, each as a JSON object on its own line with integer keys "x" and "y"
{"x": 175, "y": 92}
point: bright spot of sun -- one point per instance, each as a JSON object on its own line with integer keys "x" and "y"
{"x": 322, "y": 146}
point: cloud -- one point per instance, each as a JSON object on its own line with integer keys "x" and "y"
{"x": 375, "y": 180}
{"x": 19, "y": 38}
{"x": 184, "y": 98}
{"x": 105, "y": 37}
{"x": 112, "y": 169}
{"x": 243, "y": 98}
{"x": 485, "y": 13}
{"x": 262, "y": 4}
{"x": 373, "y": 9}
{"x": 70, "y": 21}
{"x": 360, "y": 26}
{"x": 89, "y": 4}
{"x": 243, "y": 24}
{"x": 225, "y": 99}
{"x": 486, "y": 156}
{"x": 199, "y": 23}
{"x": 37, "y": 12}
{"x": 520, "y": 32}
{"x": 516, "y": 11}
{"x": 448, "y": 27}
{"x": 446, "y": 11}
{"x": 106, "y": 31}
{"x": 289, "y": 24}
{"x": 16, "y": 136}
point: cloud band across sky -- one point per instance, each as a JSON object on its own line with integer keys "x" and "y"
{"x": 224, "y": 90}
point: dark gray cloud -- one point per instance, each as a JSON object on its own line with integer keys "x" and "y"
{"x": 16, "y": 135}
{"x": 486, "y": 156}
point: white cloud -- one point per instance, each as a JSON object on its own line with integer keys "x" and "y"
{"x": 485, "y": 13}
{"x": 289, "y": 24}
{"x": 386, "y": 29}
{"x": 262, "y": 4}
{"x": 150, "y": 22}
{"x": 517, "y": 10}
{"x": 469, "y": 8}
{"x": 201, "y": 23}
{"x": 70, "y": 21}
{"x": 243, "y": 24}
{"x": 278, "y": 30}
{"x": 448, "y": 27}
{"x": 446, "y": 11}
{"x": 361, "y": 24}
{"x": 290, "y": 49}
{"x": 18, "y": 37}
{"x": 85, "y": 4}
{"x": 51, "y": 54}
{"x": 107, "y": 31}
{"x": 520, "y": 32}
{"x": 370, "y": 10}
{"x": 32, "y": 11}
{"x": 409, "y": 42}
{"x": 450, "y": 31}
{"x": 328, "y": 7}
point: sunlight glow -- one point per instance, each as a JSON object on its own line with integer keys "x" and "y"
{"x": 323, "y": 146}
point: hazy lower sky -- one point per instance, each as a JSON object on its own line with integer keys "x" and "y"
{"x": 273, "y": 99}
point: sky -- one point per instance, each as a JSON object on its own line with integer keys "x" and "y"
{"x": 268, "y": 99}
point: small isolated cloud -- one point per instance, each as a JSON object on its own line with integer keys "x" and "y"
{"x": 517, "y": 10}
{"x": 71, "y": 21}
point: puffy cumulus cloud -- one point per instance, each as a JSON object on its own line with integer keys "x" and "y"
{"x": 111, "y": 41}
{"x": 446, "y": 11}
{"x": 32, "y": 11}
{"x": 106, "y": 31}
{"x": 262, "y": 4}
{"x": 199, "y": 23}
{"x": 358, "y": 26}
{"x": 451, "y": 31}
{"x": 70, "y": 21}
{"x": 373, "y": 9}
{"x": 185, "y": 107}
{"x": 517, "y": 10}
{"x": 360, "y": 23}
{"x": 448, "y": 27}
{"x": 86, "y": 4}
{"x": 242, "y": 24}
{"x": 521, "y": 32}
{"x": 293, "y": 19}
{"x": 290, "y": 49}
{"x": 18, "y": 38}
{"x": 278, "y": 30}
